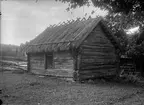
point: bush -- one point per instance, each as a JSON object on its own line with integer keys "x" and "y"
{"x": 130, "y": 76}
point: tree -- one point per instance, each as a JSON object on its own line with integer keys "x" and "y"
{"x": 130, "y": 11}
{"x": 116, "y": 6}
{"x": 135, "y": 48}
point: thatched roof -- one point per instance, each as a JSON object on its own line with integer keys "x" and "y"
{"x": 66, "y": 36}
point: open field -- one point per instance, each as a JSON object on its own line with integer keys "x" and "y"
{"x": 21, "y": 88}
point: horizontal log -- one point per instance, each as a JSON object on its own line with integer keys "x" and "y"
{"x": 99, "y": 37}
{"x": 102, "y": 70}
{"x": 82, "y": 77}
{"x": 37, "y": 56}
{"x": 63, "y": 62}
{"x": 87, "y": 56}
{"x": 98, "y": 50}
{"x": 62, "y": 57}
{"x": 65, "y": 67}
{"x": 97, "y": 72}
{"x": 95, "y": 75}
{"x": 97, "y": 53}
{"x": 86, "y": 67}
{"x": 99, "y": 63}
{"x": 98, "y": 68}
{"x": 99, "y": 45}
{"x": 97, "y": 59}
{"x": 37, "y": 68}
{"x": 37, "y": 61}
{"x": 42, "y": 59}
{"x": 101, "y": 60}
{"x": 98, "y": 40}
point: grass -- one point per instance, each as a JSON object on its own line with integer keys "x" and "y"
{"x": 26, "y": 89}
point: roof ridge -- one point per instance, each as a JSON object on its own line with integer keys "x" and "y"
{"x": 78, "y": 19}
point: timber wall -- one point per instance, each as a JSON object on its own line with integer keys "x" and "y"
{"x": 37, "y": 63}
{"x": 62, "y": 64}
{"x": 98, "y": 56}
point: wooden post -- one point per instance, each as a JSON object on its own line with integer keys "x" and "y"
{"x": 75, "y": 73}
{"x": 45, "y": 61}
{"x": 77, "y": 68}
{"x": 75, "y": 64}
{"x": 28, "y": 62}
{"x": 118, "y": 67}
{"x": 117, "y": 62}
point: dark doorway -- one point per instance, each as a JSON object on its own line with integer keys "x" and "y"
{"x": 49, "y": 61}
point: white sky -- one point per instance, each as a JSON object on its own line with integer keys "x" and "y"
{"x": 132, "y": 30}
{"x": 22, "y": 21}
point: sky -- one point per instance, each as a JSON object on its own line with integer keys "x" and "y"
{"x": 132, "y": 31}
{"x": 23, "y": 20}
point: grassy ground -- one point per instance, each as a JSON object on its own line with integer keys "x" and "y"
{"x": 19, "y": 88}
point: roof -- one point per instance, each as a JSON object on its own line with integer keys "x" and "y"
{"x": 66, "y": 36}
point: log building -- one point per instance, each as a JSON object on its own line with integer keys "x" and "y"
{"x": 79, "y": 49}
